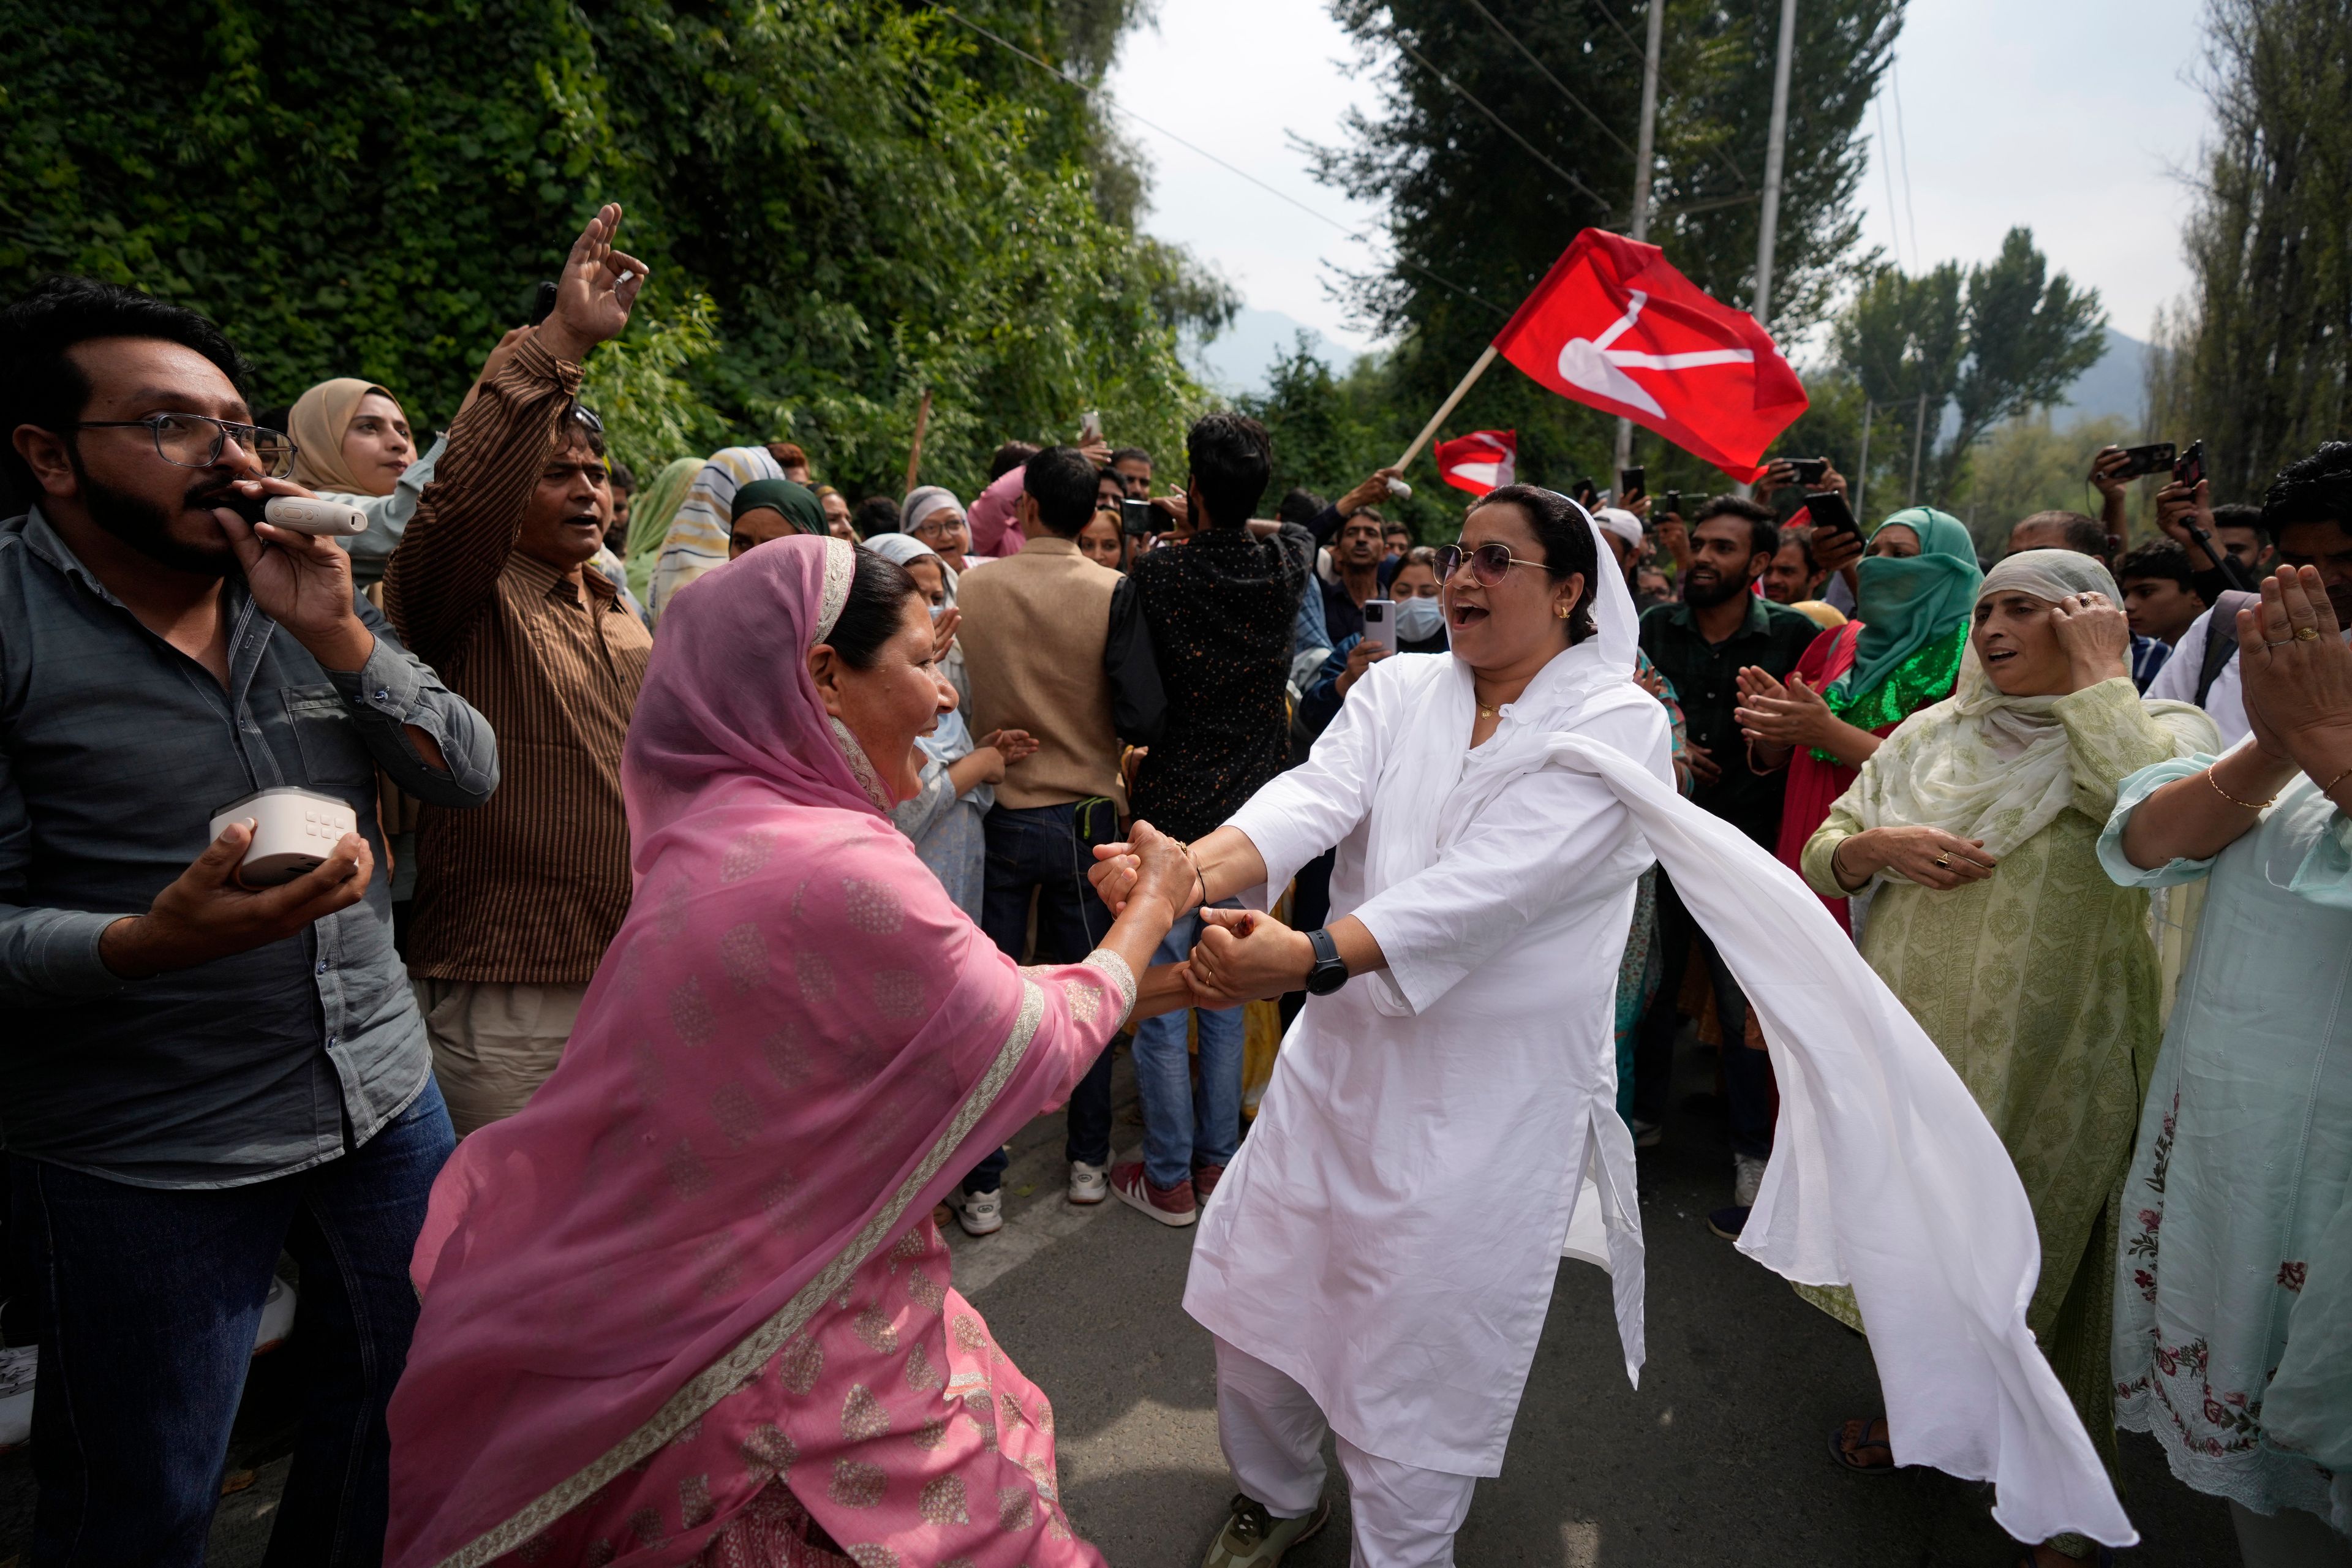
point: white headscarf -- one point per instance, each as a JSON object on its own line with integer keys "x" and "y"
{"x": 1984, "y": 766}
{"x": 1884, "y": 1173}
{"x": 921, "y": 503}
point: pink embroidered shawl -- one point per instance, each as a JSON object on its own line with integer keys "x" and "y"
{"x": 792, "y": 1048}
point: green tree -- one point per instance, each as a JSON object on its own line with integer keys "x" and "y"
{"x": 1476, "y": 215}
{"x": 871, "y": 199}
{"x": 2257, "y": 358}
{"x": 2026, "y": 464}
{"x": 2007, "y": 337}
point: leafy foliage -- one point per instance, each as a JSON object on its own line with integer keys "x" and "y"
{"x": 843, "y": 202}
{"x": 2257, "y": 360}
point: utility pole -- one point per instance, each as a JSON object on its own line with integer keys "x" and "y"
{"x": 1918, "y": 435}
{"x": 1862, "y": 472}
{"x": 1775, "y": 152}
{"x": 1645, "y": 145}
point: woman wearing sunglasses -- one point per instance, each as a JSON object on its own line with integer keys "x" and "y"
{"x": 1379, "y": 1258}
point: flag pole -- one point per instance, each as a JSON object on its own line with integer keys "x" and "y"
{"x": 915, "y": 453}
{"x": 1461, "y": 390}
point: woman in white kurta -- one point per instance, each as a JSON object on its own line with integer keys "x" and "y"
{"x": 1377, "y": 1260}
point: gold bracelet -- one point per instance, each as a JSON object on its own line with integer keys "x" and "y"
{"x": 2234, "y": 800}
{"x": 2331, "y": 784}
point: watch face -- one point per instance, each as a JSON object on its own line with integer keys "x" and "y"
{"x": 1326, "y": 978}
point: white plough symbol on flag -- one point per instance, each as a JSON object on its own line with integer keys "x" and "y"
{"x": 1598, "y": 368}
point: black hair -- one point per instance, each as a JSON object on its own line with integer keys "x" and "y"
{"x": 622, "y": 478}
{"x": 1300, "y": 506}
{"x": 2317, "y": 488}
{"x": 875, "y": 514}
{"x": 2084, "y": 535}
{"x": 1123, "y": 453}
{"x": 1009, "y": 457}
{"x": 580, "y": 423}
{"x": 1063, "y": 483}
{"x": 1232, "y": 460}
{"x": 39, "y": 383}
{"x": 1802, "y": 536}
{"x": 1763, "y": 527}
{"x": 2237, "y": 514}
{"x": 1394, "y": 525}
{"x": 2162, "y": 559}
{"x": 878, "y": 591}
{"x": 1566, "y": 540}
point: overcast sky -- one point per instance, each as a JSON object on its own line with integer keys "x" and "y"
{"x": 2071, "y": 118}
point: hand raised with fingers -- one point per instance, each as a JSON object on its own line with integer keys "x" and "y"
{"x": 595, "y": 291}
{"x": 2096, "y": 635}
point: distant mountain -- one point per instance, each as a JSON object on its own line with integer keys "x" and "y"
{"x": 2114, "y": 386}
{"x": 1239, "y": 359}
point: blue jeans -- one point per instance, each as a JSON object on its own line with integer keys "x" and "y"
{"x": 1185, "y": 1125}
{"x": 1047, "y": 850}
{"x": 148, "y": 1301}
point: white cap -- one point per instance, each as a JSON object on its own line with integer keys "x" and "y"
{"x": 1619, "y": 522}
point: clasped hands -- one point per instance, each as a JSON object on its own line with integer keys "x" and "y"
{"x": 1240, "y": 955}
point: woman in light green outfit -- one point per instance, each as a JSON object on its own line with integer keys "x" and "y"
{"x": 2233, "y": 1292}
{"x": 649, "y": 520}
{"x": 1976, "y": 824}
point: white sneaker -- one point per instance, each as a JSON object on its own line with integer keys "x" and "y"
{"x": 1089, "y": 1185}
{"x": 982, "y": 1214}
{"x": 1747, "y": 1175}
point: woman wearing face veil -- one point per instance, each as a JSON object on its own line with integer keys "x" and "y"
{"x": 1379, "y": 1258}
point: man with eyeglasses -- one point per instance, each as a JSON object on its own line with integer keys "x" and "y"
{"x": 200, "y": 1074}
{"x": 491, "y": 585}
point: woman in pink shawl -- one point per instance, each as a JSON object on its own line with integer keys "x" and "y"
{"x": 690, "y": 1307}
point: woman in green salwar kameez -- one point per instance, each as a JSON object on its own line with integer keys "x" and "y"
{"x": 1974, "y": 828}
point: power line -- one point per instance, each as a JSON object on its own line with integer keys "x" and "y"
{"x": 1111, "y": 102}
{"x": 1910, "y": 208}
{"x": 1513, "y": 38}
{"x": 1641, "y": 52}
{"x": 1472, "y": 99}
{"x": 1887, "y": 167}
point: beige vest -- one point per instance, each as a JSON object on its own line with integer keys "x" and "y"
{"x": 1032, "y": 633}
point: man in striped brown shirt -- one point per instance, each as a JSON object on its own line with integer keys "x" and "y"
{"x": 515, "y": 902}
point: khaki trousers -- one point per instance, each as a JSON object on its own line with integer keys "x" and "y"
{"x": 494, "y": 1043}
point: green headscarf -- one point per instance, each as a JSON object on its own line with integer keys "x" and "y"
{"x": 650, "y": 511}
{"x": 1914, "y": 613}
{"x": 797, "y": 502}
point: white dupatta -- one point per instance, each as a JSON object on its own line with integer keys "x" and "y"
{"x": 1884, "y": 1175}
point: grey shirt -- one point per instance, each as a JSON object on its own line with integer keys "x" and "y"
{"x": 116, "y": 749}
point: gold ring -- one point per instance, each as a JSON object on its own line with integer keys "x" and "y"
{"x": 1944, "y": 861}
{"x": 2306, "y": 634}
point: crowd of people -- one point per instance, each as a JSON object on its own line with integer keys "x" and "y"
{"x": 705, "y": 877}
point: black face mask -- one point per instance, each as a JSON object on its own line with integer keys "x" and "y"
{"x": 146, "y": 528}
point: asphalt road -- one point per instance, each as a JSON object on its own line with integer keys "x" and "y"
{"x": 1720, "y": 1458}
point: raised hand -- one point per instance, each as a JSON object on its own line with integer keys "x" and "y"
{"x": 2096, "y": 635}
{"x": 943, "y": 632}
{"x": 594, "y": 292}
{"x": 2297, "y": 674}
{"x": 2107, "y": 470}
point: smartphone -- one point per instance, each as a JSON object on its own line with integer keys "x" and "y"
{"x": 1134, "y": 517}
{"x": 2154, "y": 458}
{"x": 1586, "y": 493}
{"x": 1379, "y": 619}
{"x": 1809, "y": 471}
{"x": 1829, "y": 513}
{"x": 2191, "y": 466}
{"x": 1089, "y": 427}
{"x": 542, "y": 304}
{"x": 1673, "y": 504}
{"x": 1629, "y": 484}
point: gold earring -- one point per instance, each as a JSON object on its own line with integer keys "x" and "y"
{"x": 1561, "y": 612}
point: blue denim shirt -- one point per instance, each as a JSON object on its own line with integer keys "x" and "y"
{"x": 116, "y": 749}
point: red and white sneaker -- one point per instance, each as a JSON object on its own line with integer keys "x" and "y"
{"x": 1205, "y": 1181}
{"x": 1169, "y": 1206}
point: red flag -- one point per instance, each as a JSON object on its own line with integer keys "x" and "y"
{"x": 1614, "y": 327}
{"x": 1481, "y": 462}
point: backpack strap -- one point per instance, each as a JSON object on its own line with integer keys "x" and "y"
{"x": 2221, "y": 636}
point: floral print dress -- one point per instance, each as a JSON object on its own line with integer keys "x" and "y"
{"x": 2233, "y": 1291}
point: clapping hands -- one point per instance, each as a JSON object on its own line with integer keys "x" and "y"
{"x": 2297, "y": 675}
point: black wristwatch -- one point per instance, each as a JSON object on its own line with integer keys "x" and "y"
{"x": 1330, "y": 970}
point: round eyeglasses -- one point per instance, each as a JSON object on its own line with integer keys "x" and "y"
{"x": 1489, "y": 564}
{"x": 194, "y": 441}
